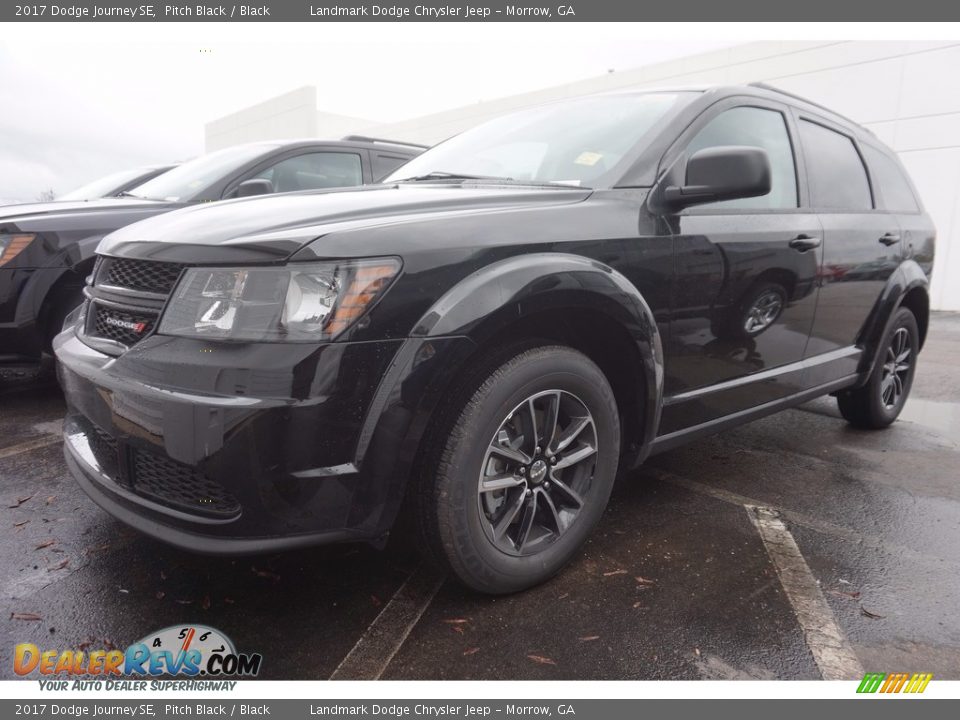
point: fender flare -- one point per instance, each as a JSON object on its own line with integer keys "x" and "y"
{"x": 37, "y": 293}
{"x": 908, "y": 276}
{"x": 462, "y": 319}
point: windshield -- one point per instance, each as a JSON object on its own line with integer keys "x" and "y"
{"x": 573, "y": 142}
{"x": 103, "y": 187}
{"x": 184, "y": 183}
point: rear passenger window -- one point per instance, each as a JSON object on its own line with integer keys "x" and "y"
{"x": 837, "y": 177}
{"x": 892, "y": 181}
{"x": 754, "y": 127}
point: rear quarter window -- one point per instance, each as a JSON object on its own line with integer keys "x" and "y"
{"x": 895, "y": 191}
{"x": 835, "y": 171}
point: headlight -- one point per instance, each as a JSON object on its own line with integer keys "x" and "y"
{"x": 12, "y": 244}
{"x": 297, "y": 302}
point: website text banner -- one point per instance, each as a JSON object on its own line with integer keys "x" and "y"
{"x": 476, "y": 709}
{"x": 480, "y": 11}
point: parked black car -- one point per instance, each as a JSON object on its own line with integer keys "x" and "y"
{"x": 483, "y": 341}
{"x": 114, "y": 184}
{"x": 47, "y": 249}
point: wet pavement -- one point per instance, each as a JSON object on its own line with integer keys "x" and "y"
{"x": 676, "y": 582}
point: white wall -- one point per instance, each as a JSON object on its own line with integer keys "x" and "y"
{"x": 292, "y": 115}
{"x": 908, "y": 93}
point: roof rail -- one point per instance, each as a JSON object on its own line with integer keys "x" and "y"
{"x": 384, "y": 141}
{"x": 772, "y": 88}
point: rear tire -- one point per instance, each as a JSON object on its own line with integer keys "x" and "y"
{"x": 518, "y": 469}
{"x": 877, "y": 404}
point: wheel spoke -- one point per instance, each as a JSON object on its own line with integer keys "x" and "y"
{"x": 554, "y": 513}
{"x": 571, "y": 433}
{"x": 534, "y": 433}
{"x": 526, "y": 523}
{"x": 509, "y": 453}
{"x": 577, "y": 456}
{"x": 567, "y": 490}
{"x": 509, "y": 514}
{"x": 494, "y": 483}
{"x": 550, "y": 416}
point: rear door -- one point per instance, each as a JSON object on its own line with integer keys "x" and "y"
{"x": 743, "y": 301}
{"x": 862, "y": 246}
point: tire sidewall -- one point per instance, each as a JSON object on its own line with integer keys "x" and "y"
{"x": 903, "y": 319}
{"x": 526, "y": 375}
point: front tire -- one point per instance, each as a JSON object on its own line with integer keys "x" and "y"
{"x": 878, "y": 403}
{"x": 520, "y": 470}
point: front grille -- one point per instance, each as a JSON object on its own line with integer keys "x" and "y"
{"x": 120, "y": 326}
{"x": 155, "y": 477}
{"x": 142, "y": 275}
{"x": 181, "y": 487}
{"x": 104, "y": 448}
{"x": 125, "y": 301}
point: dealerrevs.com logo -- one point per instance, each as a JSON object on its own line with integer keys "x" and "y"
{"x": 190, "y": 651}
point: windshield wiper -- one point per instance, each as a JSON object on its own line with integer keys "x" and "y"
{"x": 440, "y": 175}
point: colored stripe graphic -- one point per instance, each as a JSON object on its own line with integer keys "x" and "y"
{"x": 894, "y": 683}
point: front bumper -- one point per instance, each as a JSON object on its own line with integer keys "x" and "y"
{"x": 239, "y": 448}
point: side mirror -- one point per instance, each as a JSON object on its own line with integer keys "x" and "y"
{"x": 256, "y": 186}
{"x": 721, "y": 173}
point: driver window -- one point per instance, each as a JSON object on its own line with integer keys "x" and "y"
{"x": 315, "y": 171}
{"x": 754, "y": 127}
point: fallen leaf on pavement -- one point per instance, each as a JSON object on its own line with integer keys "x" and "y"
{"x": 615, "y": 572}
{"x": 456, "y": 621}
{"x": 45, "y": 544}
{"x": 457, "y": 629}
{"x": 185, "y": 602}
{"x": 59, "y": 566}
{"x": 867, "y": 613}
{"x": 21, "y": 523}
{"x": 589, "y": 638}
{"x": 51, "y": 499}
{"x": 265, "y": 574}
{"x": 20, "y": 501}
{"x": 24, "y": 616}
{"x": 542, "y": 660}
{"x": 844, "y": 593}
{"x": 471, "y": 651}
{"x": 645, "y": 581}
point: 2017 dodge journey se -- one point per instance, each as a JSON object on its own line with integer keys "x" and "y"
{"x": 481, "y": 342}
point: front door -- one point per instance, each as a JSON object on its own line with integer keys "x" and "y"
{"x": 743, "y": 302}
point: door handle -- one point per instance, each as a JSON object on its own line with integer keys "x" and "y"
{"x": 890, "y": 239}
{"x": 804, "y": 242}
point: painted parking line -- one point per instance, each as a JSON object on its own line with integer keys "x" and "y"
{"x": 30, "y": 445}
{"x": 829, "y": 645}
{"x": 375, "y": 649}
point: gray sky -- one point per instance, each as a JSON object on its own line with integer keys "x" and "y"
{"x": 75, "y": 110}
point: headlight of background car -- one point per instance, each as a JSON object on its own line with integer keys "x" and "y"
{"x": 297, "y": 302}
{"x": 12, "y": 244}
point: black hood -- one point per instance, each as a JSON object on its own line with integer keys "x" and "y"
{"x": 272, "y": 228}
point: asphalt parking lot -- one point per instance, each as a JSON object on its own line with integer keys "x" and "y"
{"x": 792, "y": 548}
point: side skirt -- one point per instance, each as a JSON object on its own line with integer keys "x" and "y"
{"x": 680, "y": 437}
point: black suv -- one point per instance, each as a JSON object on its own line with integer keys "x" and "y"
{"x": 47, "y": 250}
{"x": 482, "y": 342}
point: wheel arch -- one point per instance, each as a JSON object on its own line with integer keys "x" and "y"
{"x": 907, "y": 287}
{"x": 534, "y": 299}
